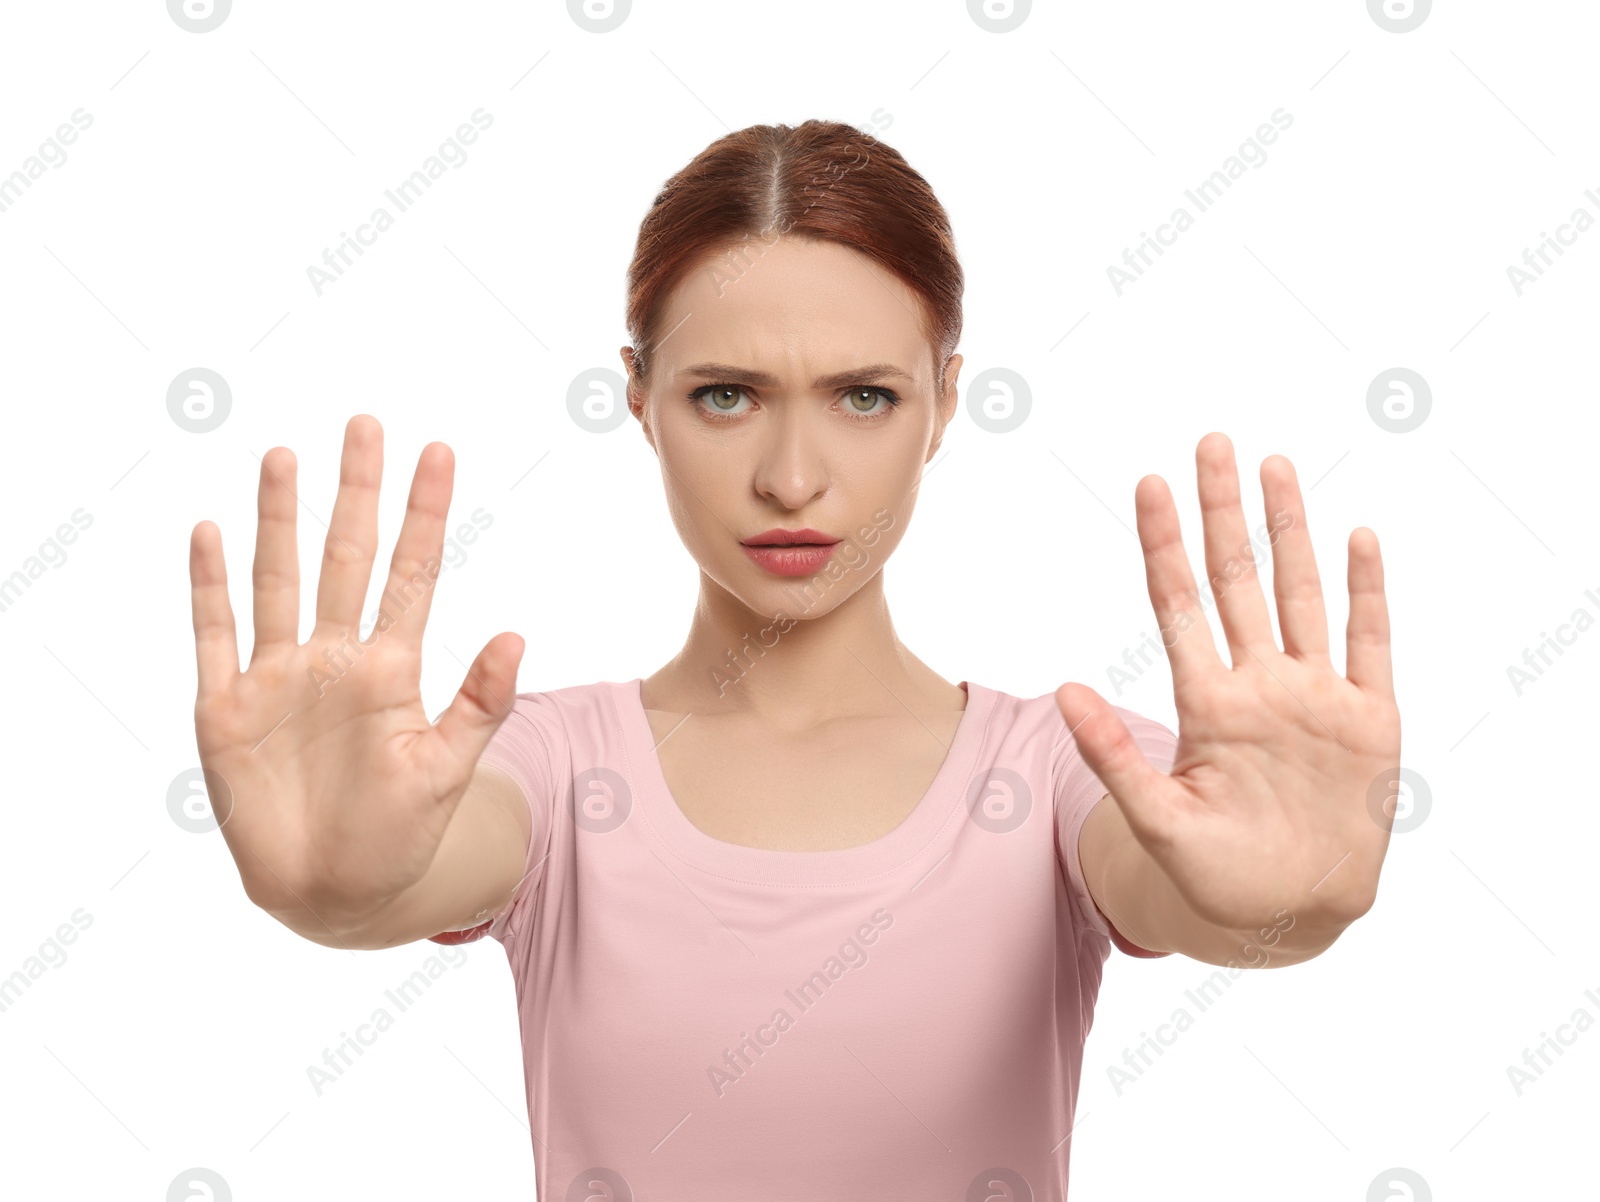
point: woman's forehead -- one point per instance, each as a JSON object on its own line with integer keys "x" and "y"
{"x": 794, "y": 310}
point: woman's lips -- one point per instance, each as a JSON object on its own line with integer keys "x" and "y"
{"x": 800, "y": 559}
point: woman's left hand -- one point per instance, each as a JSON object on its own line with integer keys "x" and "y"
{"x": 1270, "y": 801}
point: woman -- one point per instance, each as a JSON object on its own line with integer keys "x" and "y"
{"x": 794, "y": 916}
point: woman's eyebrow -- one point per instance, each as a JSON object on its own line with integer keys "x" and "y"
{"x": 727, "y": 373}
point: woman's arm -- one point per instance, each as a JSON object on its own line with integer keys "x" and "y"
{"x": 478, "y": 866}
{"x": 1273, "y": 819}
{"x": 1140, "y": 901}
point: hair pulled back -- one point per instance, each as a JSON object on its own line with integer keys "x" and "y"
{"x": 821, "y": 180}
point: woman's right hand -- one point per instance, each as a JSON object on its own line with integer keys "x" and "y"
{"x": 332, "y": 788}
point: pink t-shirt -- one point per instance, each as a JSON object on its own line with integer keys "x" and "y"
{"x": 899, "y": 1020}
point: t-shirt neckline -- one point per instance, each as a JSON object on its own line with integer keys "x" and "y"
{"x": 945, "y": 797}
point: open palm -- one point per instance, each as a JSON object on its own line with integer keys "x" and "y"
{"x": 1277, "y": 797}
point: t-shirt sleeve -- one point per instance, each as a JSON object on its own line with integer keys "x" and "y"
{"x": 530, "y": 748}
{"x": 1077, "y": 789}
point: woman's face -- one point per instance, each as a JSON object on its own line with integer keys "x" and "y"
{"x": 797, "y": 352}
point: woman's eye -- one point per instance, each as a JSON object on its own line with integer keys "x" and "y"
{"x": 862, "y": 400}
{"x": 720, "y": 399}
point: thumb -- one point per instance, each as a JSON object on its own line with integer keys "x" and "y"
{"x": 1140, "y": 788}
{"x": 486, "y": 696}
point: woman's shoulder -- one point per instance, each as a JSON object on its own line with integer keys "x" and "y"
{"x": 570, "y": 701}
{"x": 1023, "y": 720}
{"x": 579, "y": 694}
{"x": 589, "y": 711}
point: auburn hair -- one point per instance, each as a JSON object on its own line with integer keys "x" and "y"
{"x": 822, "y": 180}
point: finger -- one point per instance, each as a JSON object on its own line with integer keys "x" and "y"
{"x": 1295, "y": 581}
{"x": 415, "y": 566}
{"x": 1230, "y": 557}
{"x": 353, "y": 533}
{"x": 275, "y": 576}
{"x": 1184, "y": 631}
{"x": 1367, "y": 657}
{"x": 216, "y": 641}
{"x": 1144, "y": 792}
{"x": 486, "y": 696}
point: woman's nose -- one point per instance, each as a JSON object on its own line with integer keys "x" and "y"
{"x": 792, "y": 467}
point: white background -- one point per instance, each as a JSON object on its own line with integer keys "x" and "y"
{"x": 1377, "y": 234}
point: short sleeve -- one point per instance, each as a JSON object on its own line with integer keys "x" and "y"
{"x": 1076, "y": 790}
{"x": 529, "y": 747}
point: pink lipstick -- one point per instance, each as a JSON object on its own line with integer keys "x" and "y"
{"x": 790, "y": 552}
